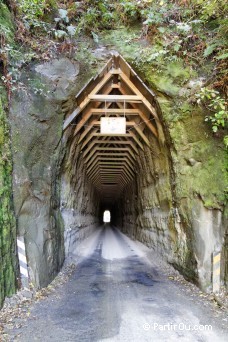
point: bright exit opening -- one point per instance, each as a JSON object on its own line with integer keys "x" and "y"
{"x": 107, "y": 216}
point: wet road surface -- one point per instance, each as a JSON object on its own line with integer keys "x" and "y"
{"x": 116, "y": 295}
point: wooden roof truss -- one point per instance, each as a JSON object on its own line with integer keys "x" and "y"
{"x": 111, "y": 159}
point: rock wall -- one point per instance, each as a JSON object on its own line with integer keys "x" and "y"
{"x": 54, "y": 203}
{"x": 148, "y": 201}
{"x": 79, "y": 200}
{"x": 150, "y": 211}
{"x": 8, "y": 259}
{"x": 36, "y": 114}
{"x": 176, "y": 206}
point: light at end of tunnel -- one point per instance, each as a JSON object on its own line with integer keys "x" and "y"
{"x": 107, "y": 216}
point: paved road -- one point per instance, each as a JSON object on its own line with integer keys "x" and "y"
{"x": 125, "y": 299}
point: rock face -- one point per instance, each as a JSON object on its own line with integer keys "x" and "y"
{"x": 79, "y": 200}
{"x": 36, "y": 119}
{"x": 8, "y": 261}
{"x": 179, "y": 227}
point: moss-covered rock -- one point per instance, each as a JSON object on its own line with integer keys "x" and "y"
{"x": 8, "y": 264}
{"x": 6, "y": 23}
{"x": 8, "y": 259}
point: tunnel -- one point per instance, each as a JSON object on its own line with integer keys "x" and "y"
{"x": 117, "y": 158}
{"x": 107, "y": 143}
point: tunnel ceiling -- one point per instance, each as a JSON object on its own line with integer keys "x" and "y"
{"x": 111, "y": 158}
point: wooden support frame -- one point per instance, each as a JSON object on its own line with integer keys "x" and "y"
{"x": 86, "y": 101}
{"x": 137, "y": 92}
{"x": 111, "y": 159}
{"x": 121, "y": 181}
{"x": 115, "y": 98}
{"x": 99, "y": 135}
{"x": 87, "y": 114}
{"x": 110, "y": 142}
{"x": 113, "y": 156}
{"x": 110, "y": 162}
{"x": 144, "y": 117}
{"x": 110, "y": 168}
{"x": 110, "y": 149}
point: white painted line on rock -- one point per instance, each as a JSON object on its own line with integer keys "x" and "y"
{"x": 22, "y": 261}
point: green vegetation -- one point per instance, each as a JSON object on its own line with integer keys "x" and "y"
{"x": 7, "y": 221}
{"x": 179, "y": 37}
{"x": 211, "y": 99}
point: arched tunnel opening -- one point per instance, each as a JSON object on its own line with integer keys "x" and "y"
{"x": 117, "y": 151}
{"x": 117, "y": 159}
{"x": 107, "y": 216}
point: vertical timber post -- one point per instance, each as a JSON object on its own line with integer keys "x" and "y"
{"x": 22, "y": 262}
{"x": 216, "y": 260}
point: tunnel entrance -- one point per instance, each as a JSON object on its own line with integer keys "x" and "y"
{"x": 114, "y": 152}
{"x": 113, "y": 113}
{"x": 116, "y": 159}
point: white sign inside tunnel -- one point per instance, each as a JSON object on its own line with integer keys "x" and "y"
{"x": 113, "y": 125}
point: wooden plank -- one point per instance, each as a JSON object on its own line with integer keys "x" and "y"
{"x": 109, "y": 171}
{"x": 115, "y": 164}
{"x": 124, "y": 178}
{"x": 142, "y": 135}
{"x": 125, "y": 170}
{"x": 144, "y": 118}
{"x": 128, "y": 123}
{"x": 111, "y": 149}
{"x": 107, "y": 156}
{"x": 85, "y": 102}
{"x": 115, "y": 154}
{"x": 87, "y": 140}
{"x": 125, "y": 67}
{"x": 114, "y": 111}
{"x": 125, "y": 135}
{"x": 116, "y": 71}
{"x": 95, "y": 122}
{"x": 87, "y": 130}
{"x": 136, "y": 140}
{"x": 132, "y": 124}
{"x": 87, "y": 114}
{"x": 121, "y": 172}
{"x": 115, "y": 86}
{"x": 115, "y": 98}
{"x": 93, "y": 142}
{"x": 137, "y": 92}
{"x": 98, "y": 168}
{"x": 96, "y": 162}
{"x": 100, "y": 142}
{"x": 99, "y": 135}
{"x": 88, "y": 87}
{"x": 118, "y": 142}
{"x": 111, "y": 160}
{"x": 110, "y": 191}
{"x": 112, "y": 178}
{"x": 98, "y": 178}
